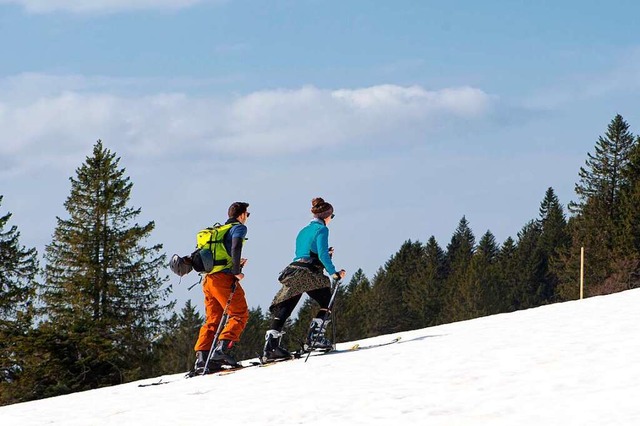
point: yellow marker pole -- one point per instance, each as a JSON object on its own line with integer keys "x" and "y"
{"x": 581, "y": 272}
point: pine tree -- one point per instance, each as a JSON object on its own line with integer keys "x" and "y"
{"x": 457, "y": 260}
{"x": 481, "y": 292}
{"x": 424, "y": 294}
{"x": 554, "y": 241}
{"x": 352, "y": 308}
{"x": 598, "y": 216}
{"x": 629, "y": 235}
{"x": 553, "y": 222}
{"x": 103, "y": 289}
{"x": 627, "y": 248}
{"x": 175, "y": 352}
{"x": 507, "y": 276}
{"x": 388, "y": 310}
{"x": 18, "y": 269}
{"x": 603, "y": 177}
{"x": 531, "y": 270}
{"x": 378, "y": 303}
{"x": 568, "y": 268}
{"x": 460, "y": 248}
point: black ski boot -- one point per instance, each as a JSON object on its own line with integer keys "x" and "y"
{"x": 201, "y": 361}
{"x": 272, "y": 348}
{"x": 221, "y": 353}
{"x": 316, "y": 338}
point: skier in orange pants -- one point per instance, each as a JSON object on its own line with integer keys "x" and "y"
{"x": 217, "y": 287}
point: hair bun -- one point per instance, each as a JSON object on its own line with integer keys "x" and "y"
{"x": 317, "y": 201}
{"x": 320, "y": 208}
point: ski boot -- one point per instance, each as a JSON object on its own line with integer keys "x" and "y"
{"x": 221, "y": 354}
{"x": 201, "y": 362}
{"x": 316, "y": 340}
{"x": 272, "y": 349}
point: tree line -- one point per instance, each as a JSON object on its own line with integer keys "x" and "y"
{"x": 98, "y": 312}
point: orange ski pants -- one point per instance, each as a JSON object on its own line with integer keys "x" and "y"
{"x": 217, "y": 288}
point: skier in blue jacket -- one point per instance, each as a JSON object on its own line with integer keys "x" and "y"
{"x": 305, "y": 275}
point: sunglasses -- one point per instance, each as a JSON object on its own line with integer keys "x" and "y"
{"x": 248, "y": 214}
{"x": 333, "y": 215}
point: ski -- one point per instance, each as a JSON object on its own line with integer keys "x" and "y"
{"x": 260, "y": 365}
{"x": 225, "y": 370}
{"x": 355, "y": 347}
{"x": 266, "y": 363}
{"x": 358, "y": 347}
{"x": 159, "y": 382}
{"x": 301, "y": 353}
{"x": 191, "y": 374}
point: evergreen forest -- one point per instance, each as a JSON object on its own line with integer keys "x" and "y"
{"x": 97, "y": 311}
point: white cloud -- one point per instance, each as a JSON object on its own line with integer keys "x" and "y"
{"x": 307, "y": 118}
{"x": 464, "y": 101}
{"x": 257, "y": 124}
{"x": 101, "y": 6}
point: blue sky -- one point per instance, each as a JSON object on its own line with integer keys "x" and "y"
{"x": 405, "y": 115}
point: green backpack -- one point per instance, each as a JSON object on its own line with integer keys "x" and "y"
{"x": 211, "y": 255}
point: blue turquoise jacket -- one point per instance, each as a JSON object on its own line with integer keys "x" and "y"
{"x": 312, "y": 241}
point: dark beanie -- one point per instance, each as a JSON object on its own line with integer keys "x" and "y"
{"x": 320, "y": 208}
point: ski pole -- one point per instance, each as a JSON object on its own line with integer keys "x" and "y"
{"x": 327, "y": 312}
{"x": 334, "y": 334}
{"x": 223, "y": 322}
{"x": 194, "y": 284}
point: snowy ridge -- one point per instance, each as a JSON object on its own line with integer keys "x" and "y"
{"x": 574, "y": 363}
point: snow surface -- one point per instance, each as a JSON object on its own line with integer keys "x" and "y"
{"x": 575, "y": 363}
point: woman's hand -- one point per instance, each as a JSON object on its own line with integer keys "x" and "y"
{"x": 339, "y": 275}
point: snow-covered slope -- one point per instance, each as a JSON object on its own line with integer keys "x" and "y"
{"x": 575, "y": 363}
